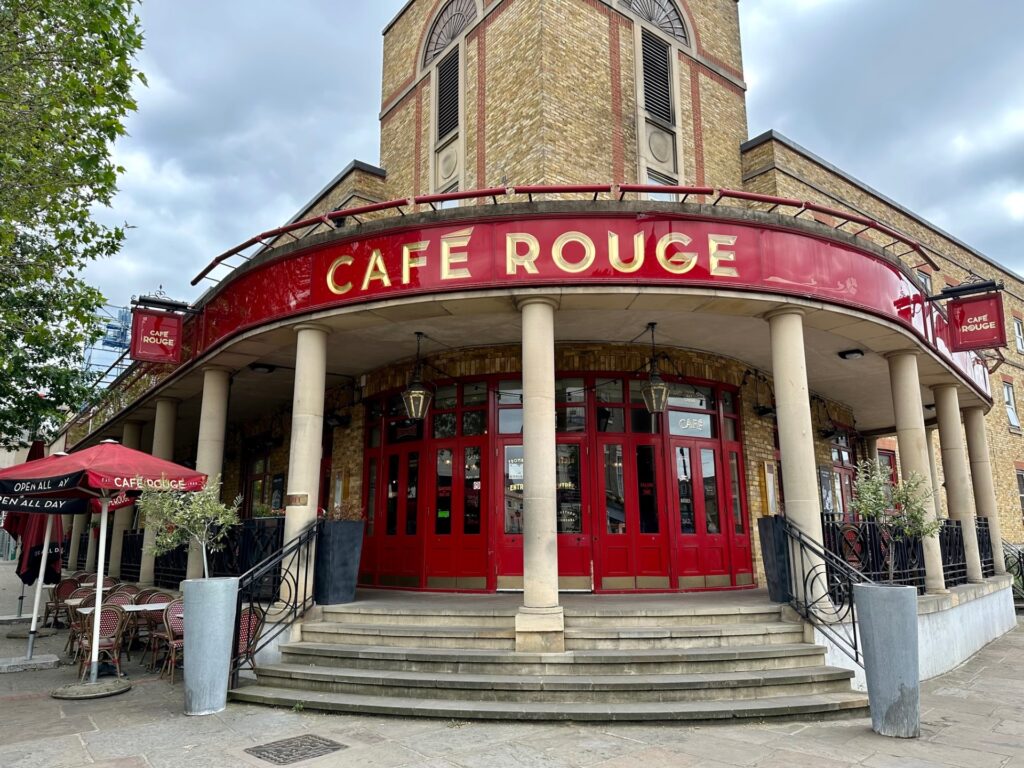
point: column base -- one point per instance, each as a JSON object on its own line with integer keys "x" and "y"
{"x": 942, "y": 591}
{"x": 540, "y": 630}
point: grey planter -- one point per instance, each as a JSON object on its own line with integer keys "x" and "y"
{"x": 887, "y": 616}
{"x": 338, "y": 549}
{"x": 210, "y": 606}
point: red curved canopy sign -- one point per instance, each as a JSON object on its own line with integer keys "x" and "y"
{"x": 606, "y": 249}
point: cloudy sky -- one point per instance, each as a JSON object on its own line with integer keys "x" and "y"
{"x": 251, "y": 109}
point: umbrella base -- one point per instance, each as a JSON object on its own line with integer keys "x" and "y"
{"x": 97, "y": 690}
{"x": 21, "y": 664}
{"x": 22, "y": 634}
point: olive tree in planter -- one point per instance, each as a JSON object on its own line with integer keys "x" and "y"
{"x": 886, "y": 611}
{"x": 200, "y": 517}
{"x": 338, "y": 549}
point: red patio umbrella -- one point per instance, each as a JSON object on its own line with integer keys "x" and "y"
{"x": 102, "y": 471}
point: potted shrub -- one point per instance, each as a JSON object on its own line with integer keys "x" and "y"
{"x": 338, "y": 549}
{"x": 886, "y": 611}
{"x": 210, "y": 604}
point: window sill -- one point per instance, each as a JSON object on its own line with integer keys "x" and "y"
{"x": 1015, "y": 431}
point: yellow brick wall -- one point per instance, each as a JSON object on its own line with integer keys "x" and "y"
{"x": 718, "y": 28}
{"x": 793, "y": 174}
{"x": 724, "y": 119}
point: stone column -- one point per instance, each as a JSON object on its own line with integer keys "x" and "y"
{"x": 131, "y": 437}
{"x": 163, "y": 448}
{"x": 981, "y": 475}
{"x": 540, "y": 623}
{"x": 796, "y": 437}
{"x": 77, "y": 529}
{"x": 912, "y": 443}
{"x": 213, "y": 419}
{"x": 91, "y": 542}
{"x": 933, "y": 470}
{"x": 305, "y": 449}
{"x": 872, "y": 446}
{"x": 954, "y": 469}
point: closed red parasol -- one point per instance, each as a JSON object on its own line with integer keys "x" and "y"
{"x": 103, "y": 471}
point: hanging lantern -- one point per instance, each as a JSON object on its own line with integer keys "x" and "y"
{"x": 654, "y": 390}
{"x": 417, "y": 397}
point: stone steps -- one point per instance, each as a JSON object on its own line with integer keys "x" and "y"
{"x": 713, "y": 636}
{"x": 411, "y": 635}
{"x": 621, "y": 688}
{"x": 693, "y": 658}
{"x": 820, "y": 704}
{"x": 441, "y": 661}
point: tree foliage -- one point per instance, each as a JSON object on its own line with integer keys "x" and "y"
{"x": 66, "y": 73}
{"x": 899, "y": 508}
{"x": 180, "y": 517}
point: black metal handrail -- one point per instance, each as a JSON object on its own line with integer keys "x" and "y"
{"x": 1014, "y": 555}
{"x": 282, "y": 584}
{"x": 988, "y": 563}
{"x": 871, "y": 548}
{"x": 821, "y": 590}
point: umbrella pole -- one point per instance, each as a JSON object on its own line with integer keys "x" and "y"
{"x": 39, "y": 586}
{"x": 100, "y": 557}
{"x": 21, "y": 599}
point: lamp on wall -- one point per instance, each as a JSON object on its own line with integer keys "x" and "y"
{"x": 760, "y": 409}
{"x": 416, "y": 396}
{"x": 654, "y": 390}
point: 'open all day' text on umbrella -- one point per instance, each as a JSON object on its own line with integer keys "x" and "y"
{"x": 102, "y": 472}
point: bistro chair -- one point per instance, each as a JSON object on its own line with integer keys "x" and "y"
{"x": 89, "y": 580}
{"x": 250, "y": 622}
{"x": 153, "y": 624}
{"x": 109, "y": 582}
{"x": 112, "y": 622}
{"x": 122, "y": 599}
{"x": 131, "y": 589}
{"x": 58, "y": 595}
{"x": 79, "y": 624}
{"x": 79, "y": 575}
{"x": 173, "y": 636}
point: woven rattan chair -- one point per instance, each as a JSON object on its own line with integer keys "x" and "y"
{"x": 172, "y": 638}
{"x": 152, "y": 624}
{"x": 250, "y": 622}
{"x": 60, "y": 593}
{"x": 76, "y": 620}
{"x": 112, "y": 624}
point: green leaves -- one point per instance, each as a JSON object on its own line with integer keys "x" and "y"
{"x": 180, "y": 517}
{"x": 65, "y": 88}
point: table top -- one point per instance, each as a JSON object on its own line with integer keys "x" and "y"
{"x": 74, "y": 602}
{"x": 130, "y": 608}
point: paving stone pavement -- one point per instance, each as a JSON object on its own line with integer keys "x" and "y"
{"x": 972, "y": 717}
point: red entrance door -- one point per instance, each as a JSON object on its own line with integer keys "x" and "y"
{"x": 702, "y": 547}
{"x": 631, "y": 524}
{"x": 398, "y": 536}
{"x": 456, "y": 534}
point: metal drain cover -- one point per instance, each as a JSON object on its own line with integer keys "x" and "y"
{"x": 288, "y": 751}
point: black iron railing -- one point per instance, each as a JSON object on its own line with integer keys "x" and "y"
{"x": 281, "y": 587}
{"x": 954, "y": 556}
{"x": 246, "y": 545}
{"x": 821, "y": 590}
{"x": 131, "y": 555}
{"x": 988, "y": 563}
{"x": 870, "y": 548}
{"x": 169, "y": 568}
{"x": 1014, "y": 555}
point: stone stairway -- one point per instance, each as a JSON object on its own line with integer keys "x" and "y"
{"x": 666, "y": 657}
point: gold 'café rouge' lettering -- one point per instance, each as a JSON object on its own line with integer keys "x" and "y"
{"x": 571, "y": 253}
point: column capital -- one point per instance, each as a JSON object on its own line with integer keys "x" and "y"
{"x": 312, "y": 327}
{"x": 522, "y": 301}
{"x": 214, "y": 367}
{"x": 171, "y": 400}
{"x": 896, "y": 353}
{"x": 784, "y": 310}
{"x": 942, "y": 387}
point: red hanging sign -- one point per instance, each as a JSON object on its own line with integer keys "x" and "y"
{"x": 156, "y": 336}
{"x": 976, "y": 322}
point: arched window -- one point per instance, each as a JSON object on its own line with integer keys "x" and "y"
{"x": 442, "y": 53}
{"x": 661, "y": 31}
{"x": 662, "y": 14}
{"x": 449, "y": 24}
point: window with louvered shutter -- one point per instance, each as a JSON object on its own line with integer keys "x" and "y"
{"x": 657, "y": 77}
{"x": 448, "y": 94}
